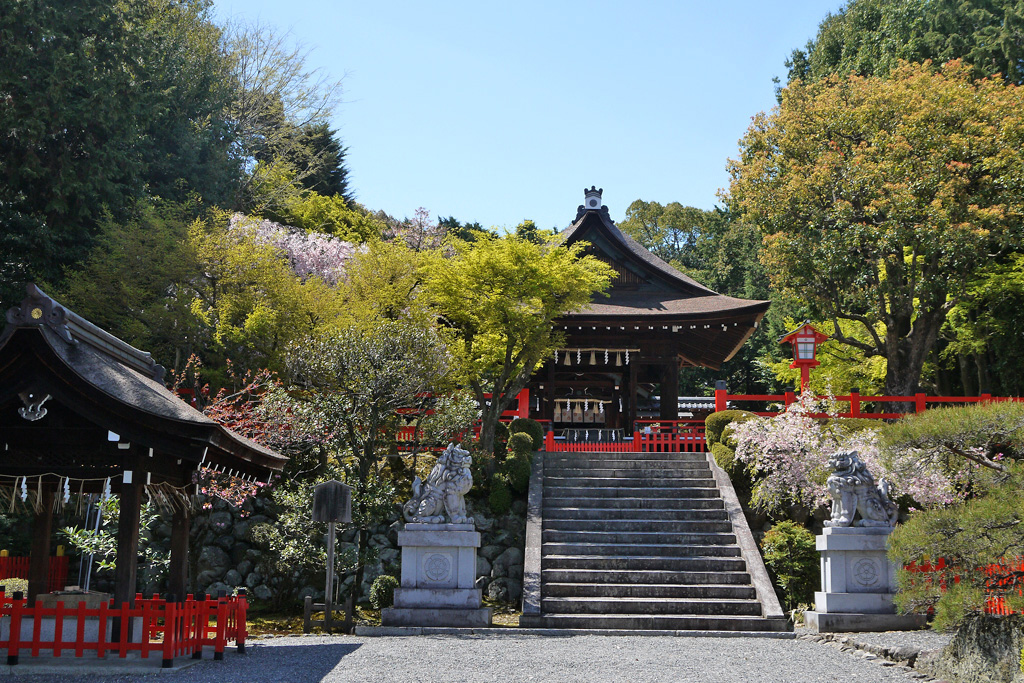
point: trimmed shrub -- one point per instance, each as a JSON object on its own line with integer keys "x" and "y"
{"x": 527, "y": 426}
{"x": 725, "y": 457}
{"x": 790, "y": 556}
{"x": 500, "y": 499}
{"x": 520, "y": 444}
{"x": 850, "y": 425}
{"x": 516, "y": 469}
{"x": 715, "y": 424}
{"x": 382, "y": 591}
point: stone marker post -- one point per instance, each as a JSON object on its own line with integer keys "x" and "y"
{"x": 332, "y": 503}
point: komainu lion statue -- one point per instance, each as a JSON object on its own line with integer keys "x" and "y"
{"x": 444, "y": 491}
{"x": 853, "y": 491}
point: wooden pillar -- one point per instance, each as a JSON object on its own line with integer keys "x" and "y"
{"x": 177, "y": 581}
{"x": 549, "y": 393}
{"x": 670, "y": 390}
{"x": 39, "y": 562}
{"x": 128, "y": 538}
{"x": 631, "y": 397}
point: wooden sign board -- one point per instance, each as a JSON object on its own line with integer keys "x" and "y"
{"x": 332, "y": 502}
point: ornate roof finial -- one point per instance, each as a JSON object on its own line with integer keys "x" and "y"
{"x": 592, "y": 198}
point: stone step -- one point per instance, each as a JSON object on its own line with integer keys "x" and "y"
{"x": 606, "y": 482}
{"x": 651, "y": 606}
{"x": 649, "y": 549}
{"x": 669, "y": 527}
{"x": 641, "y": 563}
{"x": 714, "y": 514}
{"x": 645, "y": 576}
{"x": 636, "y": 537}
{"x": 613, "y": 460}
{"x": 663, "y": 591}
{"x": 628, "y": 492}
{"x": 553, "y": 502}
{"x": 694, "y": 472}
{"x": 651, "y": 623}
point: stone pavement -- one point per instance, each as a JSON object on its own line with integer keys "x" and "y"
{"x": 505, "y": 655}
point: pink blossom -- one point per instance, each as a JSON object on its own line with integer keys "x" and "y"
{"x": 310, "y": 254}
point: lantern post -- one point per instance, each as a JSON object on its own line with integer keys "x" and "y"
{"x": 805, "y": 340}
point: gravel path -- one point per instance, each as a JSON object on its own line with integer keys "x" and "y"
{"x": 506, "y": 658}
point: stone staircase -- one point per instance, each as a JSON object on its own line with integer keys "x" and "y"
{"x": 650, "y": 541}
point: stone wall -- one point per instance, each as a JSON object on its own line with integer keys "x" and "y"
{"x": 223, "y": 556}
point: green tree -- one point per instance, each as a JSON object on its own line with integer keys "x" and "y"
{"x": 279, "y": 116}
{"x": 870, "y": 37}
{"x": 102, "y": 104}
{"x": 671, "y": 232}
{"x": 501, "y": 297}
{"x": 355, "y": 381}
{"x": 879, "y": 198}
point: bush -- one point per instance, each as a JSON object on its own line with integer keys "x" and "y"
{"x": 382, "y": 592}
{"x": 500, "y": 499}
{"x": 715, "y": 424}
{"x": 851, "y": 425}
{"x": 725, "y": 457}
{"x": 791, "y": 557}
{"x": 527, "y": 426}
{"x": 520, "y": 444}
{"x": 14, "y": 585}
{"x": 516, "y": 469}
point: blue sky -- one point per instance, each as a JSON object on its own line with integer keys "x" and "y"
{"x": 499, "y": 112}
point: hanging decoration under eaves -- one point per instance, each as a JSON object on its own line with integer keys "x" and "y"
{"x": 588, "y": 355}
{"x": 580, "y": 410}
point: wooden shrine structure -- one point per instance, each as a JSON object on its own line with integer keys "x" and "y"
{"x": 625, "y": 348}
{"x": 83, "y": 412}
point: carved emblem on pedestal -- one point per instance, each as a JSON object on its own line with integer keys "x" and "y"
{"x": 437, "y": 567}
{"x": 866, "y": 572}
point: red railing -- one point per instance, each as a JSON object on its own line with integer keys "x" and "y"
{"x": 17, "y": 568}
{"x": 652, "y": 436}
{"x": 1002, "y": 579}
{"x": 170, "y": 629}
{"x": 855, "y": 402}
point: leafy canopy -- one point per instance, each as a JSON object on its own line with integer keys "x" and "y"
{"x": 502, "y": 295}
{"x": 878, "y": 198}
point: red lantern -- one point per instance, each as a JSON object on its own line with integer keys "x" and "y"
{"x": 805, "y": 340}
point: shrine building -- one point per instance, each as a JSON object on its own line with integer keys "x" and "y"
{"x": 623, "y": 351}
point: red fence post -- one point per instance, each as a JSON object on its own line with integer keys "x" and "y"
{"x": 721, "y": 396}
{"x": 854, "y": 402}
{"x": 790, "y": 396}
{"x": 17, "y": 606}
{"x": 919, "y": 402}
{"x": 170, "y": 634}
{"x": 241, "y": 630}
{"x": 549, "y": 442}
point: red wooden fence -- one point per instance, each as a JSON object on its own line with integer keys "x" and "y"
{"x": 17, "y": 568}
{"x": 170, "y": 629}
{"x": 855, "y": 401}
{"x": 657, "y": 436}
{"x": 1002, "y": 579}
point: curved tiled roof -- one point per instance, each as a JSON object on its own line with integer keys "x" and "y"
{"x": 125, "y": 378}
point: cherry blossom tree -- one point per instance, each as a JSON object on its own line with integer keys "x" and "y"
{"x": 788, "y": 458}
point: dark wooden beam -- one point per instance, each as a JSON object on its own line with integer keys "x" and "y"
{"x": 177, "y": 582}
{"x": 128, "y": 539}
{"x": 39, "y": 562}
{"x": 670, "y": 390}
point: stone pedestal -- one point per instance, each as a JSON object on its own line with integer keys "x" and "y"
{"x": 857, "y": 583}
{"x": 438, "y": 573}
